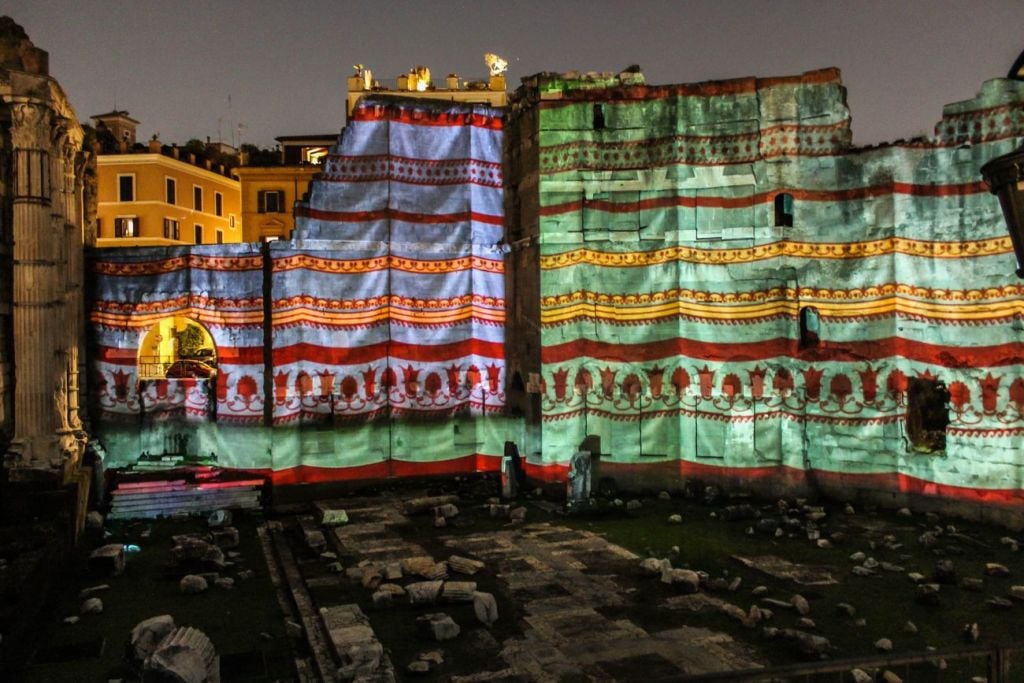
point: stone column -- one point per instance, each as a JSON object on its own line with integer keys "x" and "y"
{"x": 40, "y": 400}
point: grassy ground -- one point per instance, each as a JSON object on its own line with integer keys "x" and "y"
{"x": 233, "y": 619}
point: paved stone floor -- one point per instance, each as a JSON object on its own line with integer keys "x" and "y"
{"x": 557, "y": 582}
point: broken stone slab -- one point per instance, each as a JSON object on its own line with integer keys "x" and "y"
{"x": 218, "y": 518}
{"x": 883, "y": 645}
{"x": 972, "y": 584}
{"x": 329, "y": 513}
{"x": 393, "y": 571}
{"x": 195, "y": 553}
{"x": 778, "y": 604}
{"x": 147, "y": 635}
{"x": 314, "y": 540}
{"x": 650, "y": 566}
{"x": 697, "y": 602}
{"x": 438, "y": 626}
{"x": 418, "y": 666}
{"x": 945, "y": 572}
{"x": 92, "y": 590}
{"x": 424, "y": 592}
{"x": 675, "y": 519}
{"x": 425, "y": 567}
{"x": 860, "y": 570}
{"x": 685, "y": 579}
{"x": 185, "y": 655}
{"x": 458, "y": 591}
{"x": 464, "y": 565}
{"x": 107, "y": 560}
{"x": 928, "y": 593}
{"x": 800, "y": 604}
{"x": 861, "y": 676}
{"x": 447, "y": 511}
{"x": 499, "y": 511}
{"x": 1017, "y": 592}
{"x": 910, "y": 627}
{"x": 780, "y": 568}
{"x": 192, "y": 584}
{"x": 91, "y": 606}
{"x": 371, "y": 577}
{"x": 355, "y": 645}
{"x": 72, "y": 620}
{"x": 485, "y": 607}
{"x": 94, "y": 520}
{"x": 847, "y": 609}
{"x": 418, "y": 506}
{"x": 517, "y": 514}
{"x": 225, "y": 582}
{"x": 225, "y": 538}
{"x": 999, "y": 603}
{"x": 996, "y": 569}
{"x": 807, "y": 643}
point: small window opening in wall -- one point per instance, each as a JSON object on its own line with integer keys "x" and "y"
{"x": 784, "y": 210}
{"x": 927, "y": 414}
{"x": 598, "y": 117}
{"x": 810, "y": 327}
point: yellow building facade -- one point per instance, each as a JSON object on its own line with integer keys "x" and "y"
{"x": 268, "y": 197}
{"x": 153, "y": 199}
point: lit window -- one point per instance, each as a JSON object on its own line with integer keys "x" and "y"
{"x": 172, "y": 230}
{"x": 172, "y": 191}
{"x": 126, "y": 188}
{"x": 198, "y": 233}
{"x": 271, "y": 201}
{"x": 218, "y": 204}
{"x": 197, "y": 198}
{"x": 126, "y": 226}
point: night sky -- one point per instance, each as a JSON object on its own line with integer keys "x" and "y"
{"x": 196, "y": 69}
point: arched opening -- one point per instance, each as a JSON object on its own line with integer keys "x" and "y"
{"x": 177, "y": 348}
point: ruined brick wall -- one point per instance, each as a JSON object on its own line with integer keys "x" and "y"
{"x": 686, "y": 231}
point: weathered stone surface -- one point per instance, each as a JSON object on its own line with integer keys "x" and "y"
{"x": 517, "y": 514}
{"x": 225, "y": 538}
{"x": 910, "y": 627}
{"x": 1017, "y": 592}
{"x": 93, "y": 590}
{"x": 464, "y": 565}
{"x": 945, "y": 572}
{"x": 354, "y": 642}
{"x": 393, "y": 571}
{"x": 185, "y": 655}
{"x": 687, "y": 580}
{"x": 458, "y": 591}
{"x": 425, "y": 567}
{"x": 996, "y": 569}
{"x": 928, "y": 593}
{"x": 424, "y": 592}
{"x": 225, "y": 582}
{"x": 800, "y": 604}
{"x": 330, "y": 514}
{"x": 196, "y": 554}
{"x": 847, "y": 609}
{"x": 438, "y": 626}
{"x": 314, "y": 540}
{"x": 371, "y": 577}
{"x": 807, "y": 643}
{"x": 783, "y": 569}
{"x": 191, "y": 584}
{"x": 420, "y": 505}
{"x": 147, "y": 634}
{"x": 91, "y": 606}
{"x": 883, "y": 645}
{"x": 485, "y": 607}
{"x": 447, "y": 510}
{"x": 675, "y": 519}
{"x": 861, "y": 676}
{"x": 972, "y": 584}
{"x": 999, "y": 603}
{"x": 107, "y": 559}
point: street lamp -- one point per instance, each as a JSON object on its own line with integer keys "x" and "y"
{"x": 1005, "y": 178}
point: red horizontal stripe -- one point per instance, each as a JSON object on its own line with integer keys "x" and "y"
{"x": 851, "y": 351}
{"x": 226, "y": 355}
{"x": 767, "y": 197}
{"x": 392, "y": 214}
{"x": 357, "y": 355}
{"x": 306, "y": 474}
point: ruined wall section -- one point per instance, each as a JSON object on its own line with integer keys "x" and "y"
{"x": 685, "y": 229}
{"x": 218, "y": 286}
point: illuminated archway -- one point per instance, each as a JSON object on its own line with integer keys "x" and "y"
{"x": 177, "y": 348}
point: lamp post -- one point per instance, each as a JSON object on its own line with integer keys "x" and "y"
{"x": 1005, "y": 178}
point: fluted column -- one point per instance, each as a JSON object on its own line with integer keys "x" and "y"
{"x": 40, "y": 406}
